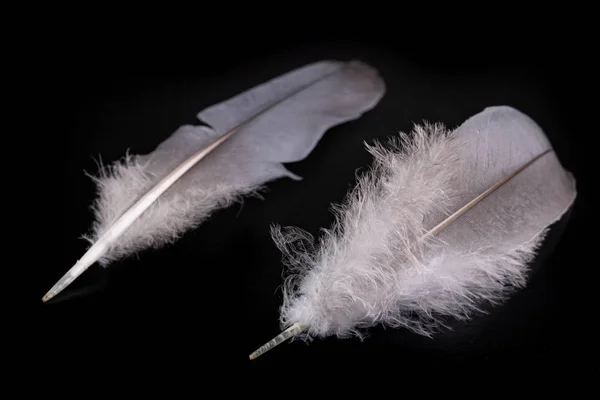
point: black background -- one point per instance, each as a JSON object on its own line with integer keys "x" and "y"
{"x": 213, "y": 297}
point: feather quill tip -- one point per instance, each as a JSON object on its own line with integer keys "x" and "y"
{"x": 79, "y": 268}
{"x": 58, "y": 287}
{"x": 282, "y": 337}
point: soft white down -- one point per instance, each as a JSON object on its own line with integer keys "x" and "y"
{"x": 372, "y": 267}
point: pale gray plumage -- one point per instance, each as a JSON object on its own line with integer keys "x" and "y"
{"x": 316, "y": 97}
{"x": 372, "y": 268}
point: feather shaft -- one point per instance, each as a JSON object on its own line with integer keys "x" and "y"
{"x": 282, "y": 337}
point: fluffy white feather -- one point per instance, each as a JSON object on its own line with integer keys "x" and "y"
{"x": 150, "y": 200}
{"x": 373, "y": 268}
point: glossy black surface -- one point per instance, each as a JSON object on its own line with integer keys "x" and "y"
{"x": 213, "y": 297}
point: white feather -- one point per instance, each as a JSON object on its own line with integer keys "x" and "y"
{"x": 373, "y": 268}
{"x": 150, "y": 200}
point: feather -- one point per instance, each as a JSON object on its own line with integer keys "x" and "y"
{"x": 444, "y": 222}
{"x": 151, "y": 200}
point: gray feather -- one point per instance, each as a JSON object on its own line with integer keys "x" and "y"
{"x": 315, "y": 98}
{"x": 372, "y": 267}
